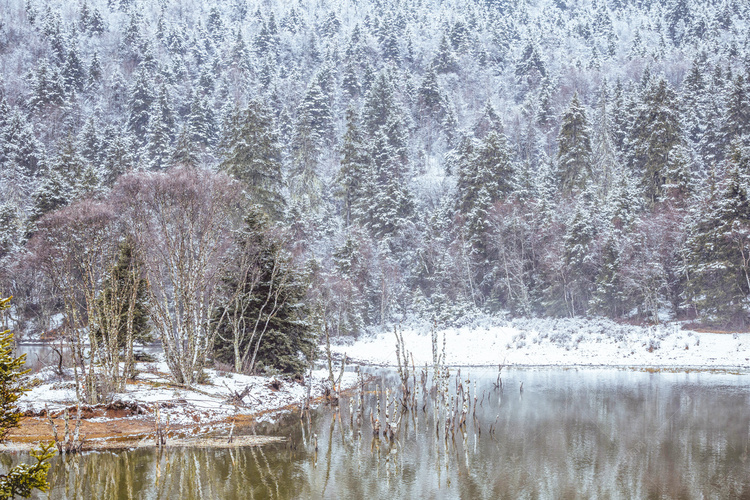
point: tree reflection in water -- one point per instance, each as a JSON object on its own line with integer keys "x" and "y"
{"x": 571, "y": 434}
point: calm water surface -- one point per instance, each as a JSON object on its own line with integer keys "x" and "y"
{"x": 568, "y": 434}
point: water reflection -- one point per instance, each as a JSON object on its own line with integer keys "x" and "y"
{"x": 569, "y": 434}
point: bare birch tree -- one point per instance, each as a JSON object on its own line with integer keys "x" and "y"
{"x": 76, "y": 247}
{"x": 181, "y": 222}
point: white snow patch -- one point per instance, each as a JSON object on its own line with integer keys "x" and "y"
{"x": 560, "y": 342}
{"x": 202, "y": 404}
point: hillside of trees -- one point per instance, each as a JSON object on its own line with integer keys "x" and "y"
{"x": 355, "y": 162}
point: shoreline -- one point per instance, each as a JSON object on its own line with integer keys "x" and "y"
{"x": 197, "y": 413}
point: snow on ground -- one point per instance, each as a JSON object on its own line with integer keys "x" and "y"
{"x": 560, "y": 342}
{"x": 204, "y": 403}
{"x": 521, "y": 342}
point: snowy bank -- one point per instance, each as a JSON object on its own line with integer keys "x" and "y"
{"x": 560, "y": 342}
{"x": 206, "y": 403}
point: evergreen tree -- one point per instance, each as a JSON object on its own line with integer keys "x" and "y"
{"x": 574, "y": 149}
{"x": 389, "y": 44}
{"x": 579, "y": 260}
{"x": 161, "y": 129}
{"x": 445, "y": 59}
{"x": 718, "y": 244}
{"x": 19, "y": 145}
{"x": 271, "y": 310}
{"x": 315, "y": 110}
{"x": 139, "y": 105}
{"x": 388, "y": 204}
{"x": 22, "y": 479}
{"x": 737, "y": 115}
{"x": 73, "y": 73}
{"x": 607, "y": 297}
{"x": 355, "y": 165}
{"x": 331, "y": 25}
{"x": 47, "y": 86}
{"x": 484, "y": 176}
{"x": 52, "y": 193}
{"x": 215, "y": 25}
{"x": 350, "y": 83}
{"x": 431, "y": 101}
{"x": 489, "y": 121}
{"x": 655, "y": 132}
{"x": 91, "y": 146}
{"x": 185, "y": 153}
{"x": 10, "y": 229}
{"x": 201, "y": 121}
{"x": 530, "y": 65}
{"x": 96, "y": 23}
{"x": 252, "y": 154}
{"x": 239, "y": 58}
{"x": 304, "y": 182}
{"x": 69, "y": 162}
{"x": 117, "y": 155}
{"x": 382, "y": 113}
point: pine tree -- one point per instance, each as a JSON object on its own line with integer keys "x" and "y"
{"x": 330, "y": 26}
{"x": 201, "y": 121}
{"x": 161, "y": 129}
{"x": 578, "y": 258}
{"x": 484, "y": 176}
{"x": 95, "y": 70}
{"x": 252, "y": 154}
{"x": 718, "y": 246}
{"x": 69, "y": 162}
{"x": 91, "y": 146}
{"x": 607, "y": 297}
{"x": 574, "y": 149}
{"x": 530, "y": 65}
{"x": 185, "y": 153}
{"x": 390, "y": 46}
{"x": 20, "y": 145}
{"x": 459, "y": 37}
{"x": 355, "y": 165}
{"x": 388, "y": 204}
{"x": 737, "y": 115}
{"x": 47, "y": 86}
{"x": 73, "y": 73}
{"x": 489, "y": 121}
{"x": 22, "y": 479}
{"x": 304, "y": 180}
{"x": 431, "y": 101}
{"x": 382, "y": 113}
{"x": 215, "y": 25}
{"x": 118, "y": 155}
{"x": 315, "y": 110}
{"x": 350, "y": 83}
{"x": 445, "y": 59}
{"x": 96, "y": 22}
{"x": 272, "y": 309}
{"x": 712, "y": 143}
{"x": 139, "y": 105}
{"x": 655, "y": 132}
{"x": 10, "y": 229}
{"x": 239, "y": 58}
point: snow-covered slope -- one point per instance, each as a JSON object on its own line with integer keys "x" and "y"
{"x": 561, "y": 343}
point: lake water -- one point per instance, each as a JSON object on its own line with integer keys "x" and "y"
{"x": 568, "y": 434}
{"x": 43, "y": 354}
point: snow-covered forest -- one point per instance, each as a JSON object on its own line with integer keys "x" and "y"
{"x": 377, "y": 159}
